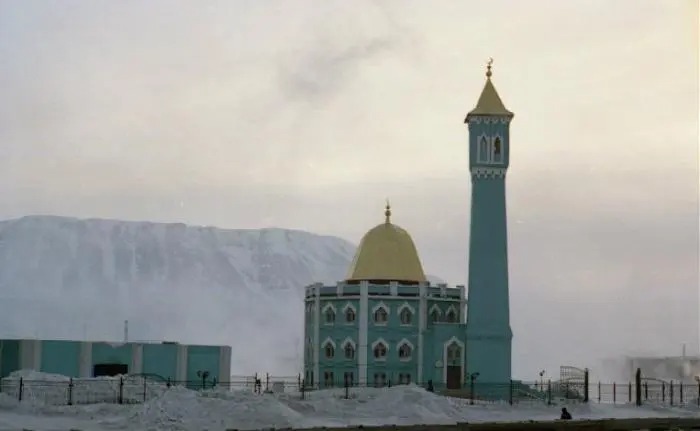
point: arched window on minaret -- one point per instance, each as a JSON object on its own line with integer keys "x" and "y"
{"x": 497, "y": 150}
{"x": 483, "y": 150}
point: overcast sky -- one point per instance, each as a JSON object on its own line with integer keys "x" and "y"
{"x": 307, "y": 115}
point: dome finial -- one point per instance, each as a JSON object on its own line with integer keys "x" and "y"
{"x": 488, "y": 67}
{"x": 387, "y": 212}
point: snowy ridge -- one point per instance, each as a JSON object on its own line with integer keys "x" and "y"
{"x": 192, "y": 284}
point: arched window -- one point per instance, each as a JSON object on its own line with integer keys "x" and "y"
{"x": 497, "y": 146}
{"x": 349, "y": 315}
{"x": 380, "y": 351}
{"x": 349, "y": 351}
{"x": 380, "y": 316}
{"x": 329, "y": 350}
{"x": 451, "y": 316}
{"x": 406, "y": 316}
{"x": 435, "y": 315}
{"x": 330, "y": 315}
{"x": 405, "y": 351}
{"x": 454, "y": 353}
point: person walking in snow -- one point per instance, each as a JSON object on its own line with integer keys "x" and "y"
{"x": 565, "y": 415}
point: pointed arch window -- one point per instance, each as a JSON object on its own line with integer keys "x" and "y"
{"x": 329, "y": 350}
{"x": 349, "y": 351}
{"x": 406, "y": 316}
{"x": 435, "y": 314}
{"x": 451, "y": 316}
{"x": 405, "y": 351}
{"x": 380, "y": 349}
{"x": 349, "y": 315}
{"x": 454, "y": 354}
{"x": 381, "y": 316}
{"x": 329, "y": 314}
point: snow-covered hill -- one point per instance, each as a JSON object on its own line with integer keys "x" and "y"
{"x": 68, "y": 278}
{"x": 80, "y": 279}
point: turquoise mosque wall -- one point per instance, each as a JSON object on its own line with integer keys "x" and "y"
{"x": 106, "y": 353}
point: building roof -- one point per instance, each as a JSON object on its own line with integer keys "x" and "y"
{"x": 490, "y": 102}
{"x": 386, "y": 253}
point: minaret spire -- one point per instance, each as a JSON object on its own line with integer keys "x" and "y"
{"x": 387, "y": 212}
{"x": 490, "y": 103}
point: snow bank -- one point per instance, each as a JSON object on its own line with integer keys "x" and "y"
{"x": 53, "y": 389}
{"x": 178, "y": 408}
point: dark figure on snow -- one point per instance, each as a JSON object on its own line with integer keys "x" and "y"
{"x": 565, "y": 415}
{"x": 430, "y": 386}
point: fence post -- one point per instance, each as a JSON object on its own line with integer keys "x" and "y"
{"x": 698, "y": 393}
{"x": 144, "y": 389}
{"x": 585, "y": 385}
{"x": 21, "y": 388}
{"x": 638, "y": 387}
{"x": 646, "y": 391}
{"x": 663, "y": 392}
{"x": 0, "y": 385}
{"x": 549, "y": 392}
{"x": 302, "y": 387}
{"x": 347, "y": 388}
{"x": 168, "y": 383}
{"x": 614, "y": 393}
{"x": 629, "y": 392}
{"x": 681, "y": 393}
{"x": 510, "y": 392}
{"x": 599, "y": 394}
{"x": 70, "y": 391}
{"x": 267, "y": 382}
{"x": 670, "y": 392}
{"x": 121, "y": 390}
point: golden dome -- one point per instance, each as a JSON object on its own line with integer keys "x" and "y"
{"x": 386, "y": 253}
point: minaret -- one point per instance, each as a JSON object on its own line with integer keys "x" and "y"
{"x": 488, "y": 318}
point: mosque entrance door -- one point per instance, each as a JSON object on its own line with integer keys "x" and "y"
{"x": 109, "y": 370}
{"x": 454, "y": 377}
{"x": 453, "y": 362}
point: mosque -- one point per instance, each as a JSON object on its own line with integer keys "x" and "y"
{"x": 386, "y": 324}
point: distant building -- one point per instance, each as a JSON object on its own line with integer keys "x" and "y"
{"x": 177, "y": 362}
{"x": 386, "y": 323}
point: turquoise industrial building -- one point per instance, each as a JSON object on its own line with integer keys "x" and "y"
{"x": 385, "y": 323}
{"x": 179, "y": 363}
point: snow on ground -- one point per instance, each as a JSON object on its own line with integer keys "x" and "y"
{"x": 178, "y": 408}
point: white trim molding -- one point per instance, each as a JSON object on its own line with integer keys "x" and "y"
{"x": 448, "y": 343}
{"x": 362, "y": 335}
{"x": 481, "y": 172}
{"x": 317, "y": 334}
{"x": 386, "y": 347}
{"x": 386, "y": 309}
{"x": 405, "y": 342}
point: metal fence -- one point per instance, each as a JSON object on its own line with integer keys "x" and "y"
{"x": 140, "y": 388}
